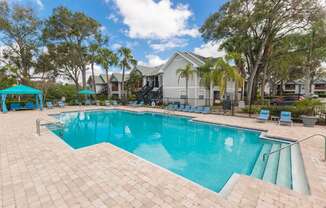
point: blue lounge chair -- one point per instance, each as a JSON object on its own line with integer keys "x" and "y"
{"x": 181, "y": 107}
{"x": 192, "y": 109}
{"x": 29, "y": 106}
{"x": 49, "y": 105}
{"x": 187, "y": 108}
{"x": 61, "y": 104}
{"x": 285, "y": 118}
{"x": 205, "y": 110}
{"x": 169, "y": 107}
{"x": 263, "y": 115}
{"x": 15, "y": 106}
{"x": 198, "y": 109}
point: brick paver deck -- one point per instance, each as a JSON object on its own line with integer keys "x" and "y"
{"x": 43, "y": 171}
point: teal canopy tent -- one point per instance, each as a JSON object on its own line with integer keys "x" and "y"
{"x": 86, "y": 92}
{"x": 21, "y": 90}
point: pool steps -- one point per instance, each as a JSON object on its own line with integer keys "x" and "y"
{"x": 284, "y": 168}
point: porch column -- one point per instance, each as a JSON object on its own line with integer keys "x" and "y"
{"x": 41, "y": 101}
{"x": 4, "y": 107}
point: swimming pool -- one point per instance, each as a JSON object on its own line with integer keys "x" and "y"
{"x": 204, "y": 153}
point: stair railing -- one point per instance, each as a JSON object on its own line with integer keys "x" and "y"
{"x": 266, "y": 155}
{"x": 39, "y": 124}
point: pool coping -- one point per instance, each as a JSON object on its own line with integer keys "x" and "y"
{"x": 227, "y": 187}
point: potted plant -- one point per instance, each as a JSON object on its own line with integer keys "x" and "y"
{"x": 307, "y": 108}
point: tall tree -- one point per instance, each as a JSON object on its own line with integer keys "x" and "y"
{"x": 106, "y": 59}
{"x": 126, "y": 62}
{"x": 73, "y": 29}
{"x": 20, "y": 38}
{"x": 257, "y": 25}
{"x": 186, "y": 73}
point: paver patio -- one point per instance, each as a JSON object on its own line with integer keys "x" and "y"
{"x": 43, "y": 171}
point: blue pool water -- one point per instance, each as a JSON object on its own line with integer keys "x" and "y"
{"x": 204, "y": 153}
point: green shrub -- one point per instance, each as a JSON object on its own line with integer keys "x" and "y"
{"x": 56, "y": 91}
{"x": 253, "y": 110}
{"x": 304, "y": 107}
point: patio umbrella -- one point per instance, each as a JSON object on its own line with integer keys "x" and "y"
{"x": 86, "y": 93}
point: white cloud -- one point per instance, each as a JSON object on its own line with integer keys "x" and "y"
{"x": 210, "y": 50}
{"x": 151, "y": 19}
{"x": 40, "y": 3}
{"x": 103, "y": 28}
{"x": 168, "y": 44}
{"x": 152, "y": 60}
{"x": 116, "y": 46}
{"x": 113, "y": 18}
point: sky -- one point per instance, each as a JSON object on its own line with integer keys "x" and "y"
{"x": 152, "y": 29}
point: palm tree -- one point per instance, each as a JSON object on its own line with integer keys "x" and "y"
{"x": 224, "y": 72}
{"x": 126, "y": 62}
{"x": 107, "y": 58}
{"x": 206, "y": 74}
{"x": 186, "y": 73}
{"x": 94, "y": 50}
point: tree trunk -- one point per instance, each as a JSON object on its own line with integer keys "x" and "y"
{"x": 307, "y": 84}
{"x": 107, "y": 83}
{"x": 93, "y": 80}
{"x": 93, "y": 77}
{"x": 186, "y": 90}
{"x": 84, "y": 77}
{"x": 263, "y": 83}
{"x": 235, "y": 92}
{"x": 254, "y": 70}
{"x": 123, "y": 84}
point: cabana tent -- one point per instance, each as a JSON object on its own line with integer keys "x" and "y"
{"x": 21, "y": 90}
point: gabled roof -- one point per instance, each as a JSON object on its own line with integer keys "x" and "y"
{"x": 118, "y": 77}
{"x": 99, "y": 79}
{"x": 195, "y": 59}
{"x": 149, "y": 71}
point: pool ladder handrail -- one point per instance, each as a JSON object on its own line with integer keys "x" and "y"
{"x": 38, "y": 124}
{"x": 266, "y": 155}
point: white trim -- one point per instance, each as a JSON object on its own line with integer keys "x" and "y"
{"x": 173, "y": 57}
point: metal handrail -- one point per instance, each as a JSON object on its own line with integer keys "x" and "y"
{"x": 266, "y": 155}
{"x": 38, "y": 124}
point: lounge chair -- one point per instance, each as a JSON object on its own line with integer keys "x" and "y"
{"x": 205, "y": 110}
{"x": 107, "y": 103}
{"x": 192, "y": 109}
{"x": 114, "y": 102}
{"x": 49, "y": 105}
{"x": 141, "y": 103}
{"x": 187, "y": 108}
{"x": 88, "y": 102}
{"x": 285, "y": 118}
{"x": 198, "y": 109}
{"x": 61, "y": 104}
{"x": 169, "y": 107}
{"x": 15, "y": 106}
{"x": 263, "y": 115}
{"x": 29, "y": 106}
{"x": 181, "y": 107}
{"x": 132, "y": 103}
